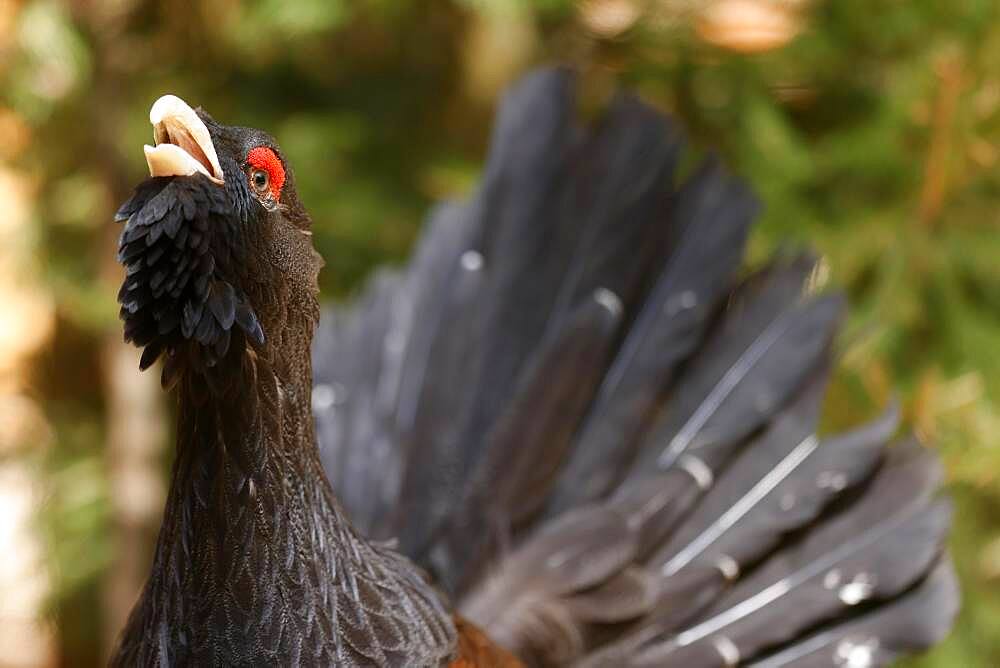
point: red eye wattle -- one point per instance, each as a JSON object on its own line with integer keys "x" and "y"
{"x": 265, "y": 159}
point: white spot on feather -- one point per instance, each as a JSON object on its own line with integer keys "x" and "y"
{"x": 856, "y": 654}
{"x": 609, "y": 300}
{"x": 472, "y": 260}
{"x": 833, "y": 480}
{"x": 857, "y": 590}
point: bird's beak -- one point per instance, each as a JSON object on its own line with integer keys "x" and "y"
{"x": 183, "y": 143}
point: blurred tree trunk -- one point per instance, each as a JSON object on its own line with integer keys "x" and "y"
{"x": 135, "y": 419}
{"x": 27, "y": 639}
{"x": 136, "y": 432}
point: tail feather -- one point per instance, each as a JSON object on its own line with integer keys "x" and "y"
{"x": 552, "y": 236}
{"x": 916, "y": 621}
{"x": 528, "y": 216}
{"x": 437, "y": 374}
{"x": 427, "y": 307}
{"x": 622, "y": 187}
{"x": 873, "y": 551}
{"x": 713, "y": 214}
{"x": 526, "y": 448}
{"x": 518, "y": 217}
{"x": 402, "y": 373}
{"x": 571, "y": 412}
{"x": 345, "y": 401}
{"x": 747, "y": 489}
{"x": 761, "y": 357}
{"x": 781, "y": 484}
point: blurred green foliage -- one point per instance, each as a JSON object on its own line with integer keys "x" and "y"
{"x": 872, "y": 136}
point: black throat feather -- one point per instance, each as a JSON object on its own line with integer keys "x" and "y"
{"x": 180, "y": 248}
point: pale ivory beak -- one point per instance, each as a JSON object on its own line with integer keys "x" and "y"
{"x": 183, "y": 144}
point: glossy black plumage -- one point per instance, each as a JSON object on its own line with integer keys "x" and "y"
{"x": 573, "y": 409}
{"x": 179, "y": 246}
{"x": 255, "y": 562}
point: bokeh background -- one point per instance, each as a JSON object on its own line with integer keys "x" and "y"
{"x": 870, "y": 129}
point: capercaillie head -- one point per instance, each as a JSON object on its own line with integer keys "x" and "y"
{"x": 217, "y": 248}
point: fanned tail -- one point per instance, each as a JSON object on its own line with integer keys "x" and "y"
{"x": 602, "y": 441}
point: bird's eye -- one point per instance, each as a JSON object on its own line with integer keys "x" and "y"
{"x": 266, "y": 174}
{"x": 261, "y": 181}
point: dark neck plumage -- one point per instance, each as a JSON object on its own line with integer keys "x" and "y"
{"x": 255, "y": 562}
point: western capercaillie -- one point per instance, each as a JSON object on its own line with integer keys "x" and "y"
{"x": 571, "y": 428}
